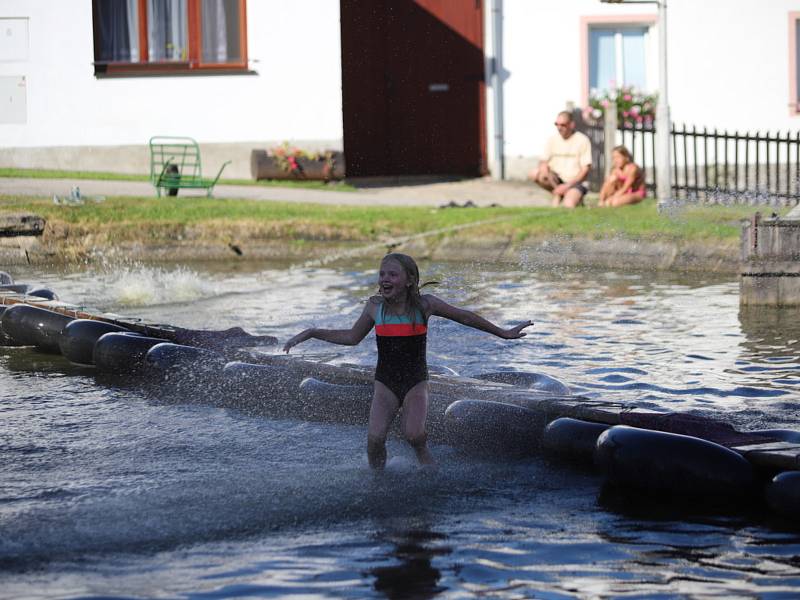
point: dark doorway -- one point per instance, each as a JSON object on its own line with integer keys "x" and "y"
{"x": 413, "y": 87}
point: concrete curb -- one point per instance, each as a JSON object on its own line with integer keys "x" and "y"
{"x": 459, "y": 246}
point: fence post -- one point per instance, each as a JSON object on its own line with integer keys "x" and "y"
{"x": 609, "y": 134}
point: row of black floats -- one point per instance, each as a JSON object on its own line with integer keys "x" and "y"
{"x": 209, "y": 375}
{"x": 644, "y": 457}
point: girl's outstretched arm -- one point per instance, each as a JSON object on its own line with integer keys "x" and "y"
{"x": 344, "y": 337}
{"x": 441, "y": 308}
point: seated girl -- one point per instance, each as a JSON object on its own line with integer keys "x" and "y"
{"x": 625, "y": 183}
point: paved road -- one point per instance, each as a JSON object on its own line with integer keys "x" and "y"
{"x": 482, "y": 192}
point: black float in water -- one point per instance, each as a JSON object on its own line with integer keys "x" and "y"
{"x": 15, "y": 288}
{"x": 572, "y": 439}
{"x": 122, "y": 353}
{"x": 785, "y": 435}
{"x": 28, "y": 290}
{"x": 259, "y": 388}
{"x": 176, "y": 359}
{"x": 323, "y": 401}
{"x": 532, "y": 381}
{"x": 669, "y": 463}
{"x": 492, "y": 428}
{"x": 79, "y": 337}
{"x": 43, "y": 293}
{"x": 33, "y": 326}
{"x": 783, "y": 494}
{"x": 4, "y": 339}
{"x": 247, "y": 379}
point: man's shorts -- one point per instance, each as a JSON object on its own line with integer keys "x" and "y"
{"x": 577, "y": 186}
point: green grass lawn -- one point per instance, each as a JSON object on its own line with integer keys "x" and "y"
{"x": 160, "y": 218}
{"x": 102, "y": 176}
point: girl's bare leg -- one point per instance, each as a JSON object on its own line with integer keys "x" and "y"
{"x": 381, "y": 413}
{"x": 415, "y": 413}
{"x": 605, "y": 192}
{"x": 624, "y": 199}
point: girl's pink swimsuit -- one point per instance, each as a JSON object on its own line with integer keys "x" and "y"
{"x": 640, "y": 191}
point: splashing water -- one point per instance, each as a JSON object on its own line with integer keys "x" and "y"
{"x": 147, "y": 286}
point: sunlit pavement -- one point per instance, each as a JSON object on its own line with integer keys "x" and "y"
{"x": 480, "y": 192}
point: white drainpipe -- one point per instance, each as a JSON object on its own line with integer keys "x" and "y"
{"x": 497, "y": 88}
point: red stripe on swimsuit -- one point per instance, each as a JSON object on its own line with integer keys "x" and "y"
{"x": 400, "y": 329}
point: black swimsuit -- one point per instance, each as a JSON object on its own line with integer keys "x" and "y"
{"x": 401, "y": 351}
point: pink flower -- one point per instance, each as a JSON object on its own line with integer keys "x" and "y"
{"x": 639, "y": 118}
{"x": 604, "y": 103}
{"x": 627, "y": 97}
{"x": 625, "y": 113}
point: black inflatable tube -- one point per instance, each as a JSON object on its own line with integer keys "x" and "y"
{"x": 16, "y": 288}
{"x": 122, "y": 353}
{"x": 322, "y": 401}
{"x": 493, "y": 429}
{"x": 783, "y": 494}
{"x": 572, "y": 439}
{"x": 669, "y": 463}
{"x": 6, "y": 279}
{"x": 4, "y": 339}
{"x": 192, "y": 370}
{"x": 251, "y": 380}
{"x": 260, "y": 389}
{"x": 79, "y": 337}
{"x": 33, "y": 326}
{"x": 43, "y": 293}
{"x": 533, "y": 381}
{"x": 785, "y": 435}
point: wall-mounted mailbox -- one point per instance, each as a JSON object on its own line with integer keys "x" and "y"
{"x": 13, "y": 40}
{"x": 13, "y": 100}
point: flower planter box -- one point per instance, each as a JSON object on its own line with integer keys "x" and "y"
{"x": 264, "y": 166}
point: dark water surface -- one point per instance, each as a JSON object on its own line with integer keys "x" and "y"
{"x": 106, "y": 491}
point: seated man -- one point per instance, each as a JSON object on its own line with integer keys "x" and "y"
{"x": 565, "y": 164}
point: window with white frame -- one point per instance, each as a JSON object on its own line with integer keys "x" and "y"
{"x": 795, "y": 50}
{"x": 619, "y": 56}
{"x": 153, "y": 36}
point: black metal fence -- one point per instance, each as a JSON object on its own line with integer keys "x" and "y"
{"x": 752, "y": 168}
{"x": 711, "y": 165}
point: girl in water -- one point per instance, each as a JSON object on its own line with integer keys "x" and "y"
{"x": 400, "y": 315}
{"x": 625, "y": 183}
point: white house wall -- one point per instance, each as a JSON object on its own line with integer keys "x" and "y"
{"x": 296, "y": 94}
{"x": 728, "y": 66}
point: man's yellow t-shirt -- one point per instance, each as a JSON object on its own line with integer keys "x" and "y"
{"x": 568, "y": 156}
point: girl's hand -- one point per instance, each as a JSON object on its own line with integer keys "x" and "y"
{"x": 516, "y": 332}
{"x": 298, "y": 339}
